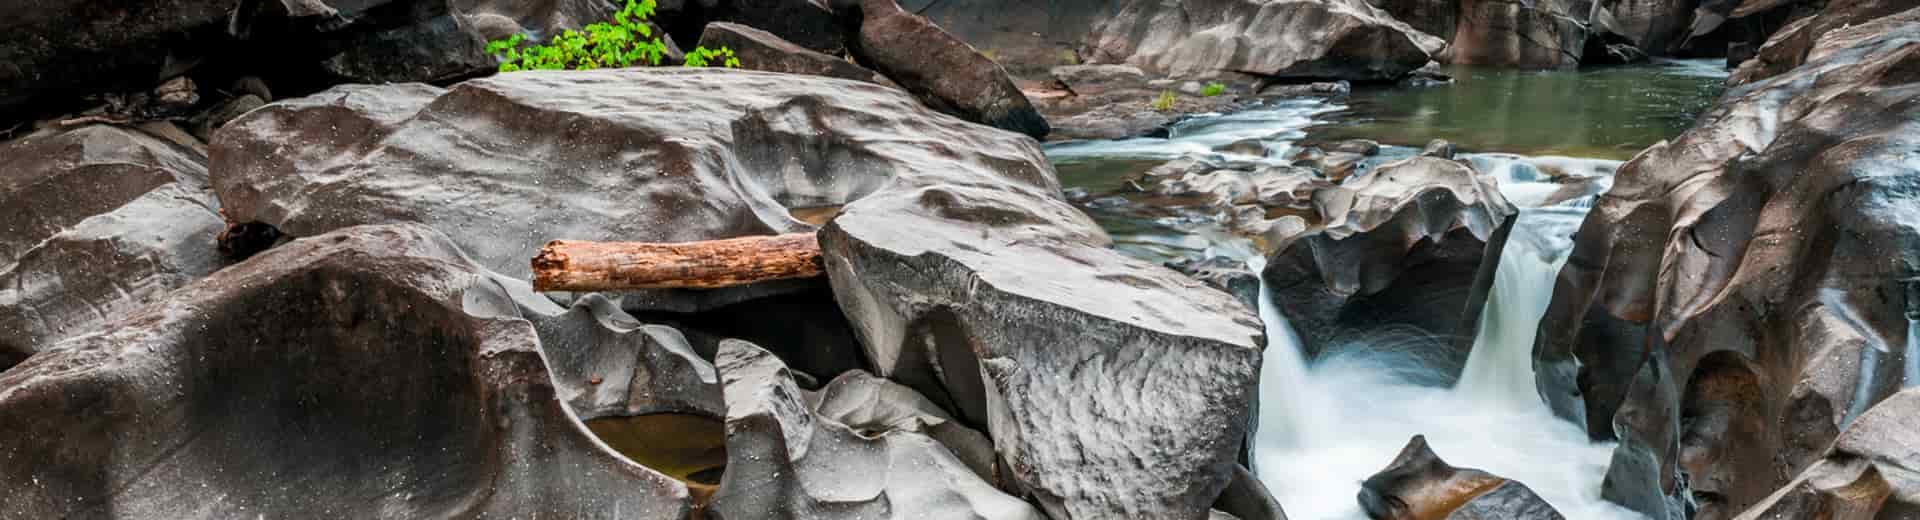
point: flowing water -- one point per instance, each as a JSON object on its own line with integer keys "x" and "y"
{"x": 1328, "y": 423}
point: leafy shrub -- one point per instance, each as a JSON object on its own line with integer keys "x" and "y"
{"x": 1069, "y": 57}
{"x": 1164, "y": 103}
{"x": 1213, "y": 89}
{"x": 626, "y": 41}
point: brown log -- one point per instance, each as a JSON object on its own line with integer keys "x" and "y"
{"x": 575, "y": 265}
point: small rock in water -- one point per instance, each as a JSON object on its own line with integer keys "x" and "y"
{"x": 1418, "y": 485}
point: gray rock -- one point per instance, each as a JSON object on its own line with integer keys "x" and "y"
{"x": 368, "y": 373}
{"x": 980, "y": 288}
{"x": 787, "y": 461}
{"x": 1417, "y": 485}
{"x": 761, "y": 50}
{"x": 941, "y": 70}
{"x": 99, "y": 221}
{"x": 872, "y": 405}
{"x": 1547, "y": 34}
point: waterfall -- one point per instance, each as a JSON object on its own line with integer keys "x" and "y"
{"x": 1286, "y": 396}
{"x": 1500, "y": 368}
{"x": 1913, "y": 335}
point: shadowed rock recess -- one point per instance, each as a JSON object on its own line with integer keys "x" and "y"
{"x": 1743, "y": 292}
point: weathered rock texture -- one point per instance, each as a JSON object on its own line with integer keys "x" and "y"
{"x": 787, "y": 461}
{"x": 1517, "y": 33}
{"x": 1737, "y": 296}
{"x": 970, "y": 280}
{"x": 99, "y": 221}
{"x": 369, "y": 373}
{"x": 1870, "y": 472}
{"x": 1840, "y": 24}
{"x": 1400, "y": 246}
{"x": 1293, "y": 39}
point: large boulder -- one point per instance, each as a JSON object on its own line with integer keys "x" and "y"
{"x": 942, "y": 70}
{"x": 1419, "y": 485}
{"x": 100, "y": 220}
{"x": 1286, "y": 39}
{"x": 1398, "y": 247}
{"x": 369, "y": 373}
{"x": 811, "y": 24}
{"x": 1760, "y": 256}
{"x": 974, "y": 283}
{"x": 788, "y": 461}
{"x": 506, "y": 163}
{"x": 761, "y": 50}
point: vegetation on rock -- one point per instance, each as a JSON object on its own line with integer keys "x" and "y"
{"x": 627, "y": 41}
{"x": 1164, "y": 103}
{"x": 1213, "y": 89}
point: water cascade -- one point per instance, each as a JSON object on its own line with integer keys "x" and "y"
{"x": 1499, "y": 371}
{"x": 1913, "y": 335}
{"x": 1286, "y": 414}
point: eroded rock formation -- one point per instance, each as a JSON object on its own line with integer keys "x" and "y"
{"x": 1293, "y": 39}
{"x": 1737, "y": 297}
{"x": 1418, "y": 485}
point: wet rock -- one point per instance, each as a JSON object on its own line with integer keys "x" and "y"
{"x": 1838, "y": 25}
{"x": 976, "y": 285}
{"x": 1418, "y": 485}
{"x": 1438, "y": 148}
{"x": 390, "y": 41}
{"x": 1224, "y": 274}
{"x": 606, "y": 363}
{"x": 1094, "y": 80}
{"x": 225, "y": 112}
{"x": 788, "y": 461}
{"x": 1253, "y": 147}
{"x": 1759, "y": 254}
{"x": 1037, "y": 38}
{"x": 696, "y": 155}
{"x": 1398, "y": 247}
{"x": 370, "y": 373}
{"x": 1295, "y": 39}
{"x": 99, "y": 220}
{"x": 811, "y": 24}
{"x": 941, "y": 70}
{"x": 761, "y": 50}
{"x": 1844, "y": 488}
{"x": 1868, "y": 473}
{"x": 1436, "y": 17}
{"x": 1247, "y": 499}
{"x": 1515, "y": 33}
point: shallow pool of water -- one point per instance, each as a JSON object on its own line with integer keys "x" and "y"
{"x": 1608, "y": 113}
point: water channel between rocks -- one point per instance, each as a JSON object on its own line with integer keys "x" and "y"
{"x": 1329, "y": 421}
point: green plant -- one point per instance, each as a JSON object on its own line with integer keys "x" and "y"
{"x": 1213, "y": 89}
{"x": 990, "y": 54}
{"x": 1164, "y": 103}
{"x": 626, "y": 41}
{"x": 704, "y": 57}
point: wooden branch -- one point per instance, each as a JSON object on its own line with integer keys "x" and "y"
{"x": 574, "y": 265}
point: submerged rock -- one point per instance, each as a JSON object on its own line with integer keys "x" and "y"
{"x": 1294, "y": 39}
{"x": 943, "y": 71}
{"x": 368, "y": 373}
{"x": 1418, "y": 485}
{"x": 99, "y": 221}
{"x": 974, "y": 283}
{"x": 786, "y": 460}
{"x": 1762, "y": 256}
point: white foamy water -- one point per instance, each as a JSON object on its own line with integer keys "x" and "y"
{"x": 1279, "y": 124}
{"x": 1339, "y": 420}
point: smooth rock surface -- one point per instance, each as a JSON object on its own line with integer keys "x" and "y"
{"x": 98, "y": 221}
{"x": 369, "y": 373}
{"x": 1292, "y": 39}
{"x": 940, "y": 69}
{"x": 761, "y": 50}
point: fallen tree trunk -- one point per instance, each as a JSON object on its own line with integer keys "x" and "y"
{"x": 574, "y": 265}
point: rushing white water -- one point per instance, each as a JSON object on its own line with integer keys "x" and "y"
{"x": 1279, "y": 124}
{"x": 1327, "y": 426}
{"x": 1499, "y": 371}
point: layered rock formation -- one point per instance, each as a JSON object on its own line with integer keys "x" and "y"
{"x": 100, "y": 220}
{"x": 1737, "y": 297}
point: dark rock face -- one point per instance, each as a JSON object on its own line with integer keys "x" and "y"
{"x": 1759, "y": 257}
{"x": 1295, "y": 39}
{"x": 50, "y": 50}
{"x": 941, "y": 70}
{"x": 321, "y": 376}
{"x": 1435, "y": 17}
{"x": 761, "y": 50}
{"x": 1656, "y": 27}
{"x": 381, "y": 41}
{"x": 539, "y": 156}
{"x": 811, "y": 24}
{"x": 971, "y": 281}
{"x": 1513, "y": 33}
{"x": 787, "y": 460}
{"x": 1027, "y": 37}
{"x": 1400, "y": 246}
{"x": 99, "y": 221}
{"x": 1418, "y": 485}
{"x": 1868, "y": 474}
